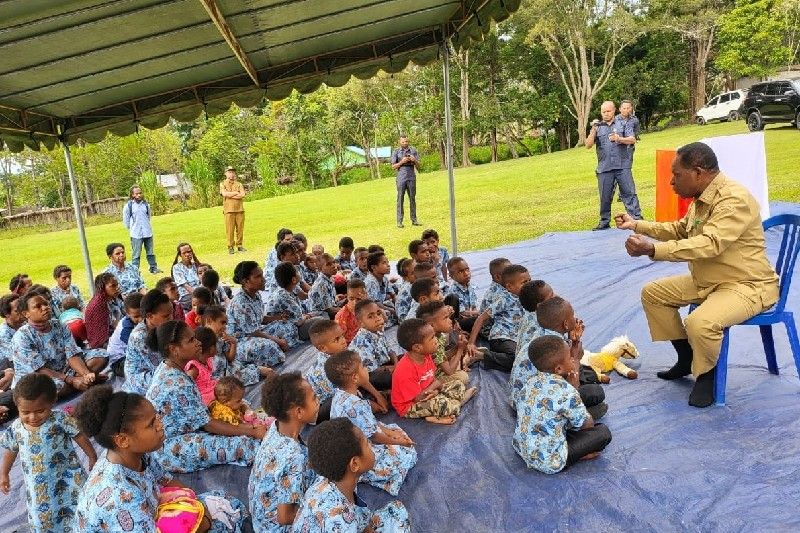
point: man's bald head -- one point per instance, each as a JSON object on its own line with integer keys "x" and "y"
{"x": 607, "y": 111}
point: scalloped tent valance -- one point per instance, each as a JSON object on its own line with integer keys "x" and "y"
{"x": 78, "y": 69}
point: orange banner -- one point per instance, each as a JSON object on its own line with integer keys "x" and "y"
{"x": 669, "y": 206}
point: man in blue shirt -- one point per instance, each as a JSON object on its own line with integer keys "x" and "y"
{"x": 405, "y": 161}
{"x": 136, "y": 217}
{"x": 614, "y": 139}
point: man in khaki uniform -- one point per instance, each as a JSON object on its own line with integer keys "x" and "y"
{"x": 233, "y": 208}
{"x": 722, "y": 239}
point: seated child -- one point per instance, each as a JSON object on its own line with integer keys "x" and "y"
{"x": 371, "y": 345}
{"x": 339, "y": 452}
{"x": 402, "y": 302}
{"x": 557, "y": 317}
{"x": 506, "y": 313}
{"x": 554, "y": 430}
{"x": 170, "y": 288}
{"x": 422, "y": 291}
{"x": 328, "y": 339}
{"x": 64, "y": 287}
{"x": 281, "y": 472}
{"x": 360, "y": 272}
{"x": 317, "y": 250}
{"x": 345, "y": 258}
{"x": 464, "y": 292}
{"x": 72, "y": 317}
{"x": 201, "y": 297}
{"x": 210, "y": 280}
{"x": 379, "y": 289}
{"x": 118, "y": 342}
{"x": 496, "y": 267}
{"x": 283, "y": 300}
{"x": 12, "y": 320}
{"x": 309, "y": 269}
{"x": 416, "y": 393}
{"x": 394, "y": 450}
{"x": 43, "y": 438}
{"x": 229, "y": 406}
{"x": 201, "y": 369}
{"x": 215, "y": 318}
{"x": 419, "y": 252}
{"x": 448, "y": 363}
{"x": 346, "y": 317}
{"x": 431, "y": 238}
{"x": 44, "y": 346}
{"x": 531, "y": 295}
{"x": 323, "y": 295}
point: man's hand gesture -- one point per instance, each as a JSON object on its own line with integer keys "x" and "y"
{"x": 625, "y": 221}
{"x": 637, "y": 245}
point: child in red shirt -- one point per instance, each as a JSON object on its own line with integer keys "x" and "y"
{"x": 416, "y": 393}
{"x": 346, "y": 317}
{"x": 201, "y": 298}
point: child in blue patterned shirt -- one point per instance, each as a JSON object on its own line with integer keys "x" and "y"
{"x": 370, "y": 343}
{"x": 431, "y": 238}
{"x": 345, "y": 258}
{"x": 496, "y": 267}
{"x": 402, "y": 302}
{"x": 323, "y": 295}
{"x": 554, "y": 430}
{"x": 328, "y": 339}
{"x": 506, "y": 312}
{"x": 340, "y": 453}
{"x": 43, "y": 439}
{"x": 464, "y": 292}
{"x": 360, "y": 272}
{"x": 379, "y": 289}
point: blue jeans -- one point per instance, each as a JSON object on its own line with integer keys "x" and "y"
{"x": 136, "y": 251}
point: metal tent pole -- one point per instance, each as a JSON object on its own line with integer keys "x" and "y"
{"x": 76, "y": 204}
{"x": 448, "y": 127}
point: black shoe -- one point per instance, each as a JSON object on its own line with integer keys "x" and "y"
{"x": 683, "y": 367}
{"x": 416, "y": 224}
{"x": 230, "y": 250}
{"x": 156, "y": 270}
{"x": 702, "y": 394}
{"x": 598, "y": 411}
{"x": 400, "y": 225}
{"x": 242, "y": 249}
{"x": 600, "y": 227}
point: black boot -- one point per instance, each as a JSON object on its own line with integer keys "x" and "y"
{"x": 702, "y": 394}
{"x": 684, "y": 365}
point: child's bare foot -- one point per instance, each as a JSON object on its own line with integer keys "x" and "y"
{"x": 590, "y": 456}
{"x": 468, "y": 394}
{"x": 445, "y": 420}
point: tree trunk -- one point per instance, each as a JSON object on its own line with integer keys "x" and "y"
{"x": 465, "y": 113}
{"x": 511, "y": 142}
{"x": 493, "y": 143}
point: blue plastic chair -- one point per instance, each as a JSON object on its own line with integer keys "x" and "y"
{"x": 790, "y": 245}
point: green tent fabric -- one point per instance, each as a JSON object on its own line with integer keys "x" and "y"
{"x": 89, "y": 67}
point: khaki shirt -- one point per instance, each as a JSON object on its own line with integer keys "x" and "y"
{"x": 721, "y": 237}
{"x": 232, "y": 205}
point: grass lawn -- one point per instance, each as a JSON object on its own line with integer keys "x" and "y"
{"x": 495, "y": 204}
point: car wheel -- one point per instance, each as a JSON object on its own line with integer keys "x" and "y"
{"x": 733, "y": 116}
{"x": 754, "y": 121}
{"x": 797, "y": 120}
{"x": 701, "y": 121}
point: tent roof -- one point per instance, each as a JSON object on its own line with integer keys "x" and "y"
{"x": 94, "y": 66}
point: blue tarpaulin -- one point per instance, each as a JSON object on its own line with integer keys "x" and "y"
{"x": 670, "y": 467}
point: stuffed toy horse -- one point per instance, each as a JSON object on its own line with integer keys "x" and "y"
{"x": 609, "y": 358}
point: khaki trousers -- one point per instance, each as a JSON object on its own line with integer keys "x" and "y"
{"x": 727, "y": 305}
{"x": 234, "y": 223}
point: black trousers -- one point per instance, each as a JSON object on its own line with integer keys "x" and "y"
{"x": 501, "y": 355}
{"x": 591, "y": 394}
{"x": 582, "y": 442}
{"x": 381, "y": 378}
{"x": 324, "y": 411}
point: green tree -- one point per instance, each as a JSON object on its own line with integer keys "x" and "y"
{"x": 751, "y": 40}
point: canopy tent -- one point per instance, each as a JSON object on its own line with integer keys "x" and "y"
{"x": 79, "y": 69}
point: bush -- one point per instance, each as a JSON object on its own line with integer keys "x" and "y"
{"x": 430, "y": 162}
{"x": 154, "y": 193}
{"x": 205, "y": 184}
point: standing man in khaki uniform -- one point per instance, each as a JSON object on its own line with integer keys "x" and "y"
{"x": 730, "y": 278}
{"x": 233, "y": 208}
